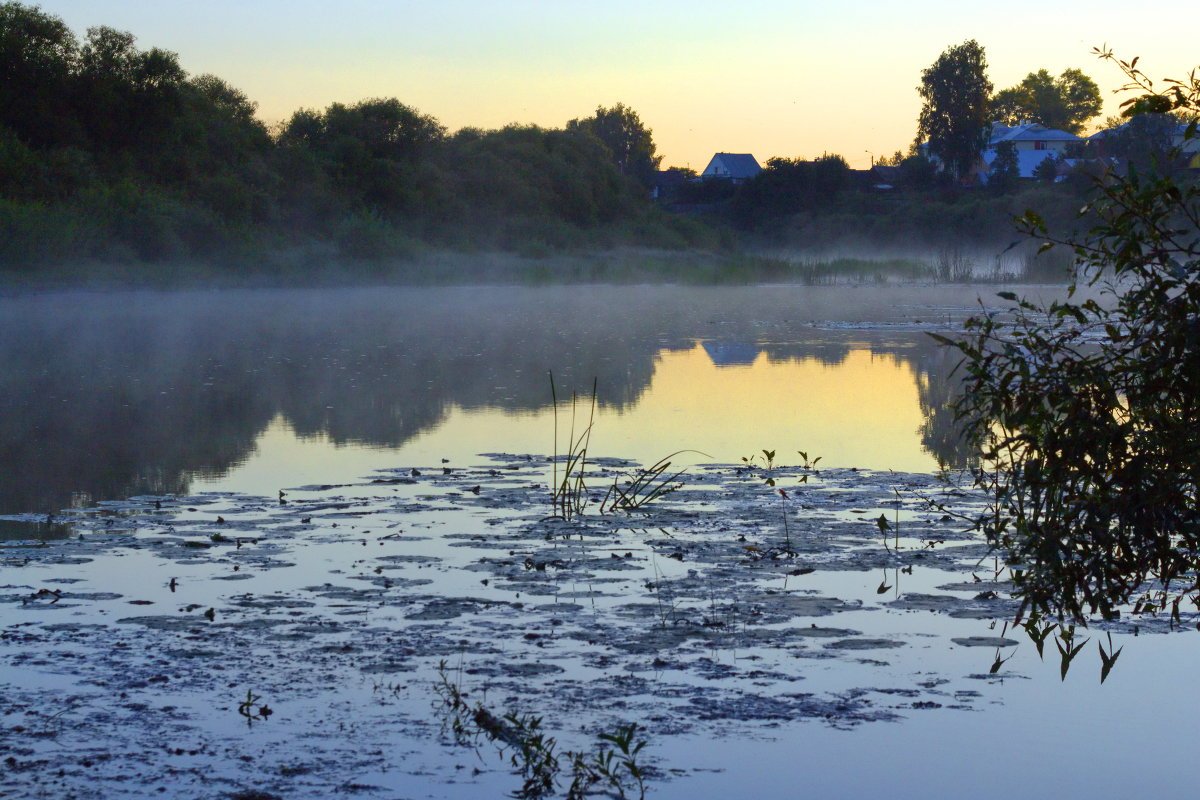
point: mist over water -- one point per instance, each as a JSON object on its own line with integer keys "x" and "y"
{"x": 109, "y": 395}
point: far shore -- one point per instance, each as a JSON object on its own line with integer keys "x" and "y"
{"x": 612, "y": 266}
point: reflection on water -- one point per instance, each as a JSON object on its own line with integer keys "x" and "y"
{"x": 109, "y": 395}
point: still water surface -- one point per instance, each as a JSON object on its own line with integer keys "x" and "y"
{"x": 105, "y": 396}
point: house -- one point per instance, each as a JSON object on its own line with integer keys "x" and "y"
{"x": 1031, "y": 136}
{"x": 1152, "y": 131}
{"x": 883, "y": 176}
{"x": 1034, "y": 144}
{"x": 731, "y": 353}
{"x": 737, "y": 167}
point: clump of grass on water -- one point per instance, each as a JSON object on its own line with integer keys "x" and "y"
{"x": 646, "y": 487}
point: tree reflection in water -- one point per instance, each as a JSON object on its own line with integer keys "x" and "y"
{"x": 110, "y": 395}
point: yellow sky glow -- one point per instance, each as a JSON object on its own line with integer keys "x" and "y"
{"x": 765, "y": 77}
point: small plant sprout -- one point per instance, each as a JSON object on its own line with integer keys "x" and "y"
{"x": 883, "y": 584}
{"x": 1038, "y": 634}
{"x": 1065, "y": 642}
{"x": 1108, "y": 658}
{"x": 253, "y": 710}
{"x": 884, "y": 527}
{"x": 807, "y": 464}
{"x": 999, "y": 660}
{"x": 787, "y": 533}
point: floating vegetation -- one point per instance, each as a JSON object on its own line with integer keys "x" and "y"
{"x": 252, "y": 709}
{"x": 610, "y": 768}
{"x": 706, "y": 618}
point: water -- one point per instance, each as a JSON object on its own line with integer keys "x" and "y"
{"x": 108, "y": 396}
{"x": 103, "y": 396}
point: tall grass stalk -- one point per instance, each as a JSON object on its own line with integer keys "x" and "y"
{"x": 569, "y": 495}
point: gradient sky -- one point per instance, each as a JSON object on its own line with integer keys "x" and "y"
{"x": 769, "y": 78}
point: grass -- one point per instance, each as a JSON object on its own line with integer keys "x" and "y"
{"x": 646, "y": 486}
{"x": 569, "y": 495}
{"x": 568, "y": 489}
{"x": 610, "y": 768}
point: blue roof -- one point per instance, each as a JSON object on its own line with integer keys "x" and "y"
{"x": 1179, "y": 130}
{"x": 1029, "y": 132}
{"x": 734, "y": 165}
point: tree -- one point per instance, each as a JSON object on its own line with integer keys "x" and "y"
{"x": 629, "y": 141}
{"x": 1063, "y": 103}
{"x": 124, "y": 95}
{"x": 375, "y": 149}
{"x": 1006, "y": 170}
{"x": 38, "y": 55}
{"x": 918, "y": 172}
{"x": 1143, "y": 141}
{"x": 789, "y": 186}
{"x": 954, "y": 114}
{"x": 1085, "y": 410}
{"x": 1047, "y": 170}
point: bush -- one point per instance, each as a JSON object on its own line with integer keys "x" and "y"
{"x": 1086, "y": 410}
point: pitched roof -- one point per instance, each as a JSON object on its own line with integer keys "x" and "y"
{"x": 1029, "y": 132}
{"x": 733, "y": 165}
{"x": 1177, "y": 130}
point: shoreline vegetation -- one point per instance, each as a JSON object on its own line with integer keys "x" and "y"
{"x": 620, "y": 266}
{"x": 118, "y": 169}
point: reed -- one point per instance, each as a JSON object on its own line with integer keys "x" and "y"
{"x": 646, "y": 486}
{"x": 568, "y": 496}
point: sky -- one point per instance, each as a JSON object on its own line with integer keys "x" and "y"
{"x": 771, "y": 78}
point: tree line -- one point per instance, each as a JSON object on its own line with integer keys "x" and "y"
{"x": 110, "y": 152}
{"x": 928, "y": 196}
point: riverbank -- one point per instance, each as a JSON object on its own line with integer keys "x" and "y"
{"x": 621, "y": 266}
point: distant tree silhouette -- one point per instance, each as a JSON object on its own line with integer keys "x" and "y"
{"x": 629, "y": 141}
{"x": 954, "y": 116}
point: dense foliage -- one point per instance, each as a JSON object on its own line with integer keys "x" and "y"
{"x": 954, "y": 119}
{"x": 791, "y": 185}
{"x": 111, "y": 153}
{"x": 1086, "y": 409}
{"x": 629, "y": 142}
{"x": 1064, "y": 103}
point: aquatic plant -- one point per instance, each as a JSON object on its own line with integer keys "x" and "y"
{"x": 787, "y": 531}
{"x": 569, "y": 496}
{"x": 646, "y": 486}
{"x": 611, "y": 767}
{"x": 808, "y": 466}
{"x": 253, "y": 710}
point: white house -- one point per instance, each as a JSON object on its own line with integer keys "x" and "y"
{"x": 1031, "y": 136}
{"x": 1034, "y": 144}
{"x": 736, "y": 167}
